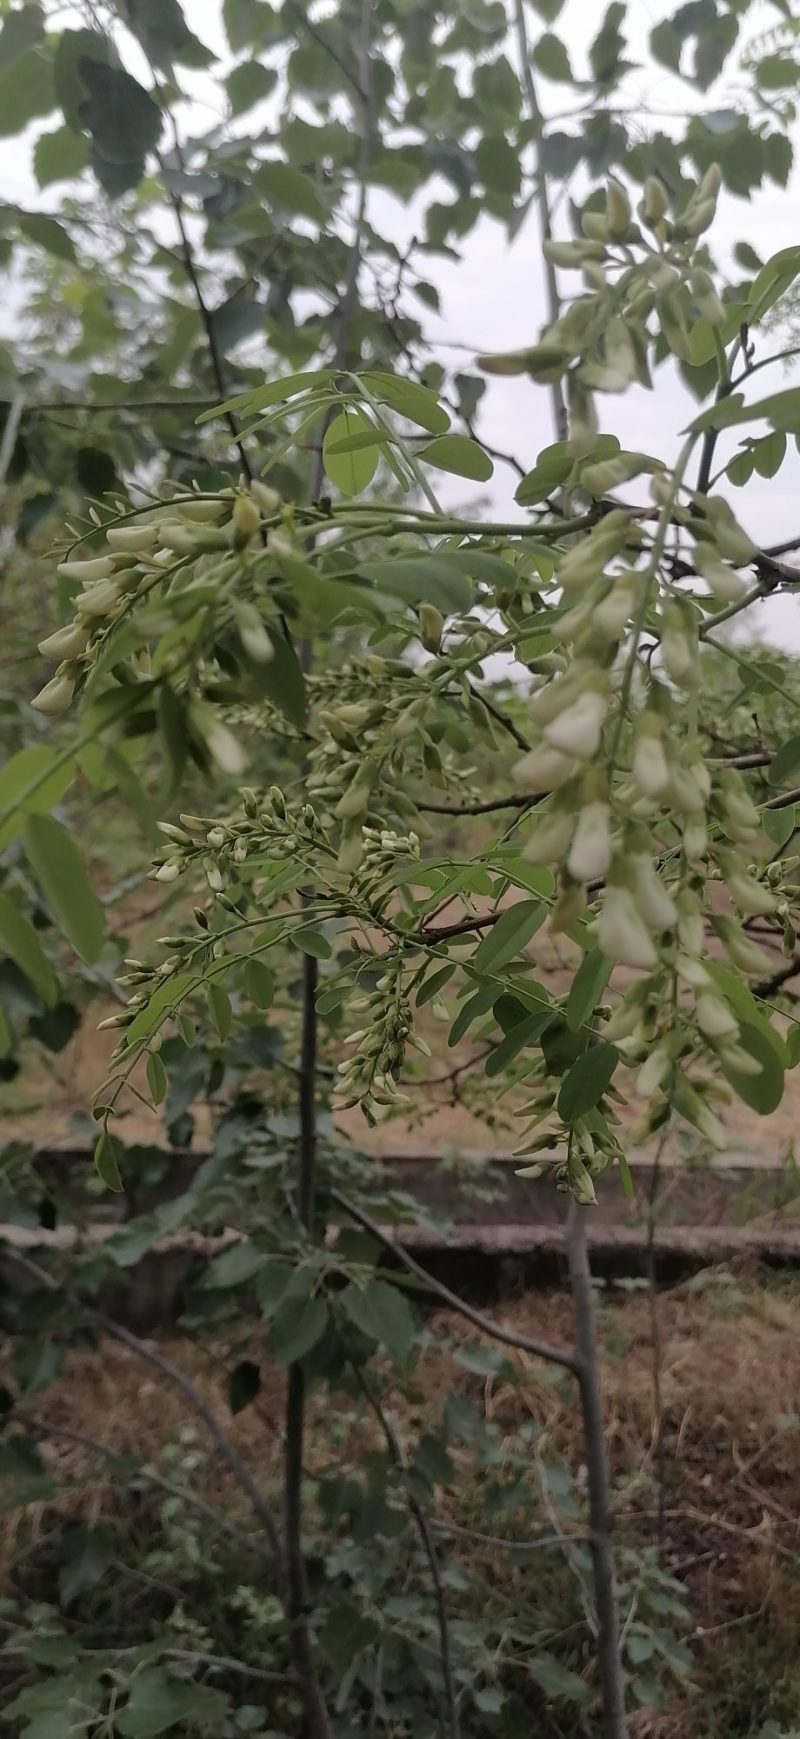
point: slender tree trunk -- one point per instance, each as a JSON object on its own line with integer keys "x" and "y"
{"x": 612, "y": 1684}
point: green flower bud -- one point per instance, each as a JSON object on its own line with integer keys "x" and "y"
{"x": 655, "y": 203}
{"x": 431, "y": 623}
{"x": 618, "y": 210}
{"x": 246, "y": 521}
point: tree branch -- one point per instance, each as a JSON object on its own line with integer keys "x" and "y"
{"x": 495, "y": 1330}
{"x": 560, "y": 419}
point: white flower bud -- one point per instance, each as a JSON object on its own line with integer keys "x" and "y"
{"x": 749, "y": 897}
{"x": 168, "y": 872}
{"x": 550, "y": 839}
{"x": 695, "y": 837}
{"x": 650, "y": 771}
{"x": 132, "y": 537}
{"x": 253, "y": 634}
{"x": 590, "y": 852}
{"x": 743, "y": 951}
{"x": 176, "y": 537}
{"x": 714, "y": 1017}
{"x": 621, "y": 935}
{"x": 68, "y": 642}
{"x": 225, "y": 748}
{"x": 726, "y": 586}
{"x": 544, "y": 769}
{"x": 55, "y": 697}
{"x": 691, "y": 971}
{"x": 655, "y": 905}
{"x": 653, "y": 1072}
{"x": 614, "y": 612}
{"x": 100, "y": 599}
{"x": 691, "y": 929}
{"x": 215, "y": 877}
{"x": 95, "y": 568}
{"x": 679, "y": 644}
{"x": 200, "y": 512}
{"x": 735, "y": 1057}
{"x": 578, "y": 730}
{"x": 268, "y": 499}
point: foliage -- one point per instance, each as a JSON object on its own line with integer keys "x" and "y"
{"x": 324, "y": 634}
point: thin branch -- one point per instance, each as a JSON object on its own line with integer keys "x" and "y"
{"x": 444, "y": 932}
{"x": 781, "y": 976}
{"x": 612, "y": 1682}
{"x": 500, "y": 718}
{"x": 560, "y": 419}
{"x": 495, "y": 1330}
{"x": 483, "y": 805}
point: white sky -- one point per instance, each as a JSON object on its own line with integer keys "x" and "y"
{"x": 493, "y": 298}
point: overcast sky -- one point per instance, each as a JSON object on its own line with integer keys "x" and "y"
{"x": 493, "y": 298}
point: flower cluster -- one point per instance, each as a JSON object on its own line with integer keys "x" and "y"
{"x": 167, "y": 544}
{"x": 268, "y": 828}
{"x": 369, "y": 1077}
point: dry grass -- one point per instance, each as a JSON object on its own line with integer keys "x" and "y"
{"x": 730, "y": 1377}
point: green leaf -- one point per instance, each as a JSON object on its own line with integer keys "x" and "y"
{"x": 498, "y": 164}
{"x": 258, "y": 983}
{"x": 433, "y": 985}
{"x": 32, "y": 783}
{"x": 21, "y": 30}
{"x": 557, "y": 1680}
{"x": 250, "y": 22}
{"x": 219, "y": 1007}
{"x": 666, "y": 45}
{"x": 282, "y": 681}
{"x": 73, "y": 48}
{"x": 382, "y": 1313}
{"x": 561, "y": 1046}
{"x": 26, "y": 91}
{"x": 550, "y": 57}
{"x": 296, "y": 1328}
{"x": 460, "y": 455}
{"x": 586, "y": 1082}
{"x": 548, "y": 9}
{"x": 86, "y": 1554}
{"x": 350, "y": 472}
{"x": 166, "y": 997}
{"x": 289, "y": 189}
{"x": 422, "y": 579}
{"x": 120, "y": 114}
{"x": 233, "y": 1267}
{"x": 156, "y": 1078}
{"x": 471, "y": 1010}
{"x": 769, "y": 453}
{"x": 106, "y": 1160}
{"x": 762, "y": 1092}
{"x": 157, "y": 1701}
{"x": 508, "y": 937}
{"x": 786, "y": 764}
{"x": 59, "y": 156}
{"x": 552, "y": 468}
{"x": 524, "y": 1033}
{"x": 417, "y": 403}
{"x": 59, "y": 870}
{"x": 311, "y": 941}
{"x": 780, "y": 824}
{"x": 244, "y": 1383}
{"x": 248, "y": 84}
{"x": 586, "y": 988}
{"x": 20, "y": 941}
{"x": 46, "y": 233}
{"x": 275, "y": 392}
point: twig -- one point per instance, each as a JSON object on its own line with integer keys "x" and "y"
{"x": 768, "y": 986}
{"x": 612, "y": 1683}
{"x": 560, "y": 419}
{"x": 483, "y": 805}
{"x": 495, "y": 1330}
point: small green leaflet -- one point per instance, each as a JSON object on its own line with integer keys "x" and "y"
{"x": 460, "y": 455}
{"x": 430, "y": 579}
{"x": 586, "y": 1082}
{"x": 32, "y": 782}
{"x": 350, "y": 471}
{"x": 311, "y": 941}
{"x": 156, "y": 1078}
{"x": 59, "y": 870}
{"x": 86, "y": 1556}
{"x": 382, "y": 1313}
{"x": 272, "y": 393}
{"x": 290, "y": 190}
{"x": 587, "y": 988}
{"x": 786, "y": 763}
{"x": 157, "y": 1702}
{"x": 433, "y": 985}
{"x": 763, "y": 1092}
{"x": 106, "y": 1160}
{"x": 166, "y": 997}
{"x": 21, "y": 943}
{"x": 282, "y": 681}
{"x": 258, "y": 983}
{"x": 417, "y": 403}
{"x": 552, "y": 468}
{"x": 296, "y": 1328}
{"x": 233, "y": 1267}
{"x": 779, "y": 824}
{"x": 219, "y": 1008}
{"x": 509, "y": 935}
{"x": 524, "y": 1033}
{"x": 476, "y": 1005}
